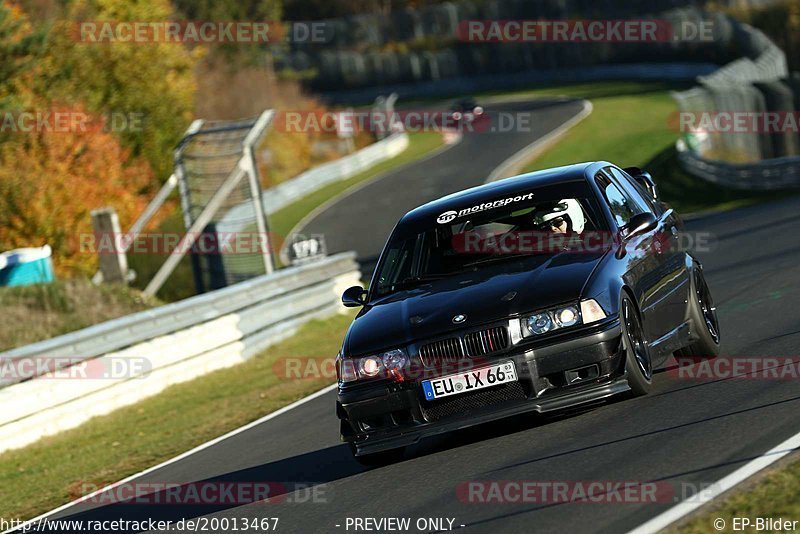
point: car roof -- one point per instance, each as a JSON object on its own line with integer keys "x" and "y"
{"x": 504, "y": 188}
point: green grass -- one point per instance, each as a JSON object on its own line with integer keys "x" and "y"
{"x": 37, "y": 312}
{"x": 595, "y": 90}
{"x": 630, "y": 126}
{"x": 56, "y": 469}
{"x": 774, "y": 495}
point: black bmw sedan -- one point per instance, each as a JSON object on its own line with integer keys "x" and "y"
{"x": 534, "y": 293}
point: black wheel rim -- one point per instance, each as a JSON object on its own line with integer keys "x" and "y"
{"x": 707, "y": 308}
{"x": 636, "y": 340}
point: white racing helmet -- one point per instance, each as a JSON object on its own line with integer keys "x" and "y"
{"x": 571, "y": 210}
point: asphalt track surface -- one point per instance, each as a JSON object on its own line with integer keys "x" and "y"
{"x": 686, "y": 434}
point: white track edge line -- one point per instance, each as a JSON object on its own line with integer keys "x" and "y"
{"x": 726, "y": 483}
{"x": 181, "y": 456}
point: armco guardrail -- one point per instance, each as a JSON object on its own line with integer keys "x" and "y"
{"x": 177, "y": 342}
{"x": 756, "y": 84}
{"x": 287, "y": 192}
{"x": 765, "y": 175}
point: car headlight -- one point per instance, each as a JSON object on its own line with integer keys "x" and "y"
{"x": 589, "y": 311}
{"x": 369, "y": 366}
{"x": 389, "y": 362}
{"x": 539, "y": 324}
{"x": 394, "y": 359}
{"x": 567, "y": 316}
{"x": 550, "y": 320}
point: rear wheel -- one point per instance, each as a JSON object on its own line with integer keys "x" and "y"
{"x": 638, "y": 366}
{"x": 704, "y": 321}
{"x": 379, "y": 459}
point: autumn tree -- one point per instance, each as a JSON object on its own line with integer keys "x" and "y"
{"x": 228, "y": 10}
{"x": 20, "y": 48}
{"x": 52, "y": 177}
{"x": 153, "y": 80}
{"x": 51, "y": 180}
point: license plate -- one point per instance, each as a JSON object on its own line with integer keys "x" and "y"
{"x": 485, "y": 377}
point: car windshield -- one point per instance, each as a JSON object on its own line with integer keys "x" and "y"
{"x": 544, "y": 220}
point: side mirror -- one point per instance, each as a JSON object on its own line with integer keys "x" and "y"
{"x": 353, "y": 297}
{"x": 644, "y": 179}
{"x": 639, "y": 224}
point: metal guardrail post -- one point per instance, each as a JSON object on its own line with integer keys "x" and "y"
{"x": 180, "y": 173}
{"x": 152, "y": 208}
{"x": 197, "y": 227}
{"x": 249, "y": 160}
{"x": 258, "y": 207}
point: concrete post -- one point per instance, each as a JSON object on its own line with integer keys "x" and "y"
{"x": 108, "y": 240}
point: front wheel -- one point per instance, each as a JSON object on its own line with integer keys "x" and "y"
{"x": 704, "y": 321}
{"x": 379, "y": 459}
{"x": 638, "y": 366}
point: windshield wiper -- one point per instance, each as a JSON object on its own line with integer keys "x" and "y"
{"x": 413, "y": 281}
{"x": 492, "y": 259}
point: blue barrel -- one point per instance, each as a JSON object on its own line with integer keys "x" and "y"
{"x": 26, "y": 266}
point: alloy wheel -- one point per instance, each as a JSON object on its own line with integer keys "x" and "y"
{"x": 633, "y": 331}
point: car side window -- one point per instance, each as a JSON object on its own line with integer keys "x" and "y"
{"x": 635, "y": 190}
{"x": 621, "y": 206}
{"x": 398, "y": 264}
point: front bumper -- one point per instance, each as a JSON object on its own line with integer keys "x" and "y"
{"x": 567, "y": 370}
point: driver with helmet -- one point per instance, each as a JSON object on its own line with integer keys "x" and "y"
{"x": 565, "y": 216}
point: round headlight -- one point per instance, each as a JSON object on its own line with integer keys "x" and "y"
{"x": 370, "y": 366}
{"x": 567, "y": 316}
{"x": 540, "y": 323}
{"x": 394, "y": 359}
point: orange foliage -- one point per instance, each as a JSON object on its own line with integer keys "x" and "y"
{"x": 51, "y": 180}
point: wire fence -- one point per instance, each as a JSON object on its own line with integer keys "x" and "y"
{"x": 204, "y": 162}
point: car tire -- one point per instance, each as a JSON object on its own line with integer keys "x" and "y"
{"x": 638, "y": 364}
{"x": 379, "y": 459}
{"x": 703, "y": 314}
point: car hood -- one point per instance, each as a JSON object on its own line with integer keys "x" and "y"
{"x": 493, "y": 292}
